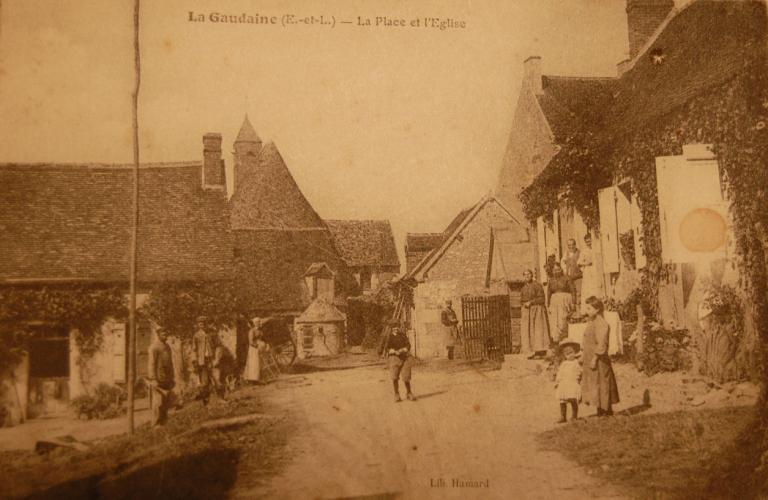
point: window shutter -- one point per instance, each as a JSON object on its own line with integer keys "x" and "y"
{"x": 118, "y": 352}
{"x": 609, "y": 237}
{"x": 693, "y": 215}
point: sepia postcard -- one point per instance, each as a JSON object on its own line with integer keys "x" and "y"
{"x": 337, "y": 249}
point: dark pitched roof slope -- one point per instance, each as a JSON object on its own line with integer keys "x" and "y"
{"x": 269, "y": 197}
{"x": 271, "y": 267}
{"x": 571, "y": 102}
{"x": 704, "y": 45}
{"x": 365, "y": 242}
{"x": 419, "y": 242}
{"x": 74, "y": 222}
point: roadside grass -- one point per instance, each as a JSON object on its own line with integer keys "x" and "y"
{"x": 179, "y": 460}
{"x": 663, "y": 455}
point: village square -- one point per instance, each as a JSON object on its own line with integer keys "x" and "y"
{"x": 593, "y": 326}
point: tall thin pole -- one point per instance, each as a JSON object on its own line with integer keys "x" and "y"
{"x": 135, "y": 226}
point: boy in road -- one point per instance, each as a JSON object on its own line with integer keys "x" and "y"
{"x": 397, "y": 348}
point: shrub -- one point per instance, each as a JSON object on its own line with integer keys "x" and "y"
{"x": 665, "y": 350}
{"x": 105, "y": 402}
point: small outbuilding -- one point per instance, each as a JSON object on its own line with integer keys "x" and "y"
{"x": 319, "y": 330}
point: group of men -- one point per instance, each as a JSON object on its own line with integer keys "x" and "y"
{"x": 209, "y": 364}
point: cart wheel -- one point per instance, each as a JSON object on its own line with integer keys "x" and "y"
{"x": 285, "y": 353}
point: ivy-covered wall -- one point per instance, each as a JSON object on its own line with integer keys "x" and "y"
{"x": 733, "y": 117}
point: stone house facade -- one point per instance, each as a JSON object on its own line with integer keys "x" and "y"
{"x": 459, "y": 267}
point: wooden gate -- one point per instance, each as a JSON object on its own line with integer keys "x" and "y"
{"x": 487, "y": 326}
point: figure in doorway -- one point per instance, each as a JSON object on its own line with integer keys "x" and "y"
{"x": 570, "y": 265}
{"x": 590, "y": 280}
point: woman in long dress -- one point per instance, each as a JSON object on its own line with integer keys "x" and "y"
{"x": 534, "y": 330}
{"x": 253, "y": 361}
{"x": 560, "y": 290}
{"x": 598, "y": 383}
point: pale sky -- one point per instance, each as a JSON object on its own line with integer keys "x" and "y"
{"x": 405, "y": 124}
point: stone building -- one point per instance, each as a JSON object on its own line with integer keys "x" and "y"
{"x": 68, "y": 225}
{"x": 687, "y": 66}
{"x": 461, "y": 266}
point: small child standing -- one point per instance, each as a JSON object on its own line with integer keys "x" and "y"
{"x": 568, "y": 380}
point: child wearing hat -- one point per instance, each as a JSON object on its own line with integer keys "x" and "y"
{"x": 568, "y": 380}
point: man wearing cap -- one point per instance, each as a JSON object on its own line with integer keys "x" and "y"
{"x": 160, "y": 377}
{"x": 397, "y": 348}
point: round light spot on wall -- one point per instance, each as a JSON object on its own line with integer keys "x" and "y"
{"x": 702, "y": 230}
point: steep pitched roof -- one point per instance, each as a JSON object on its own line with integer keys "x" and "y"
{"x": 321, "y": 311}
{"x": 572, "y": 102}
{"x": 451, "y": 233}
{"x": 703, "y": 45}
{"x": 365, "y": 242}
{"x": 247, "y": 132}
{"x": 271, "y": 266}
{"x": 63, "y": 222}
{"x": 269, "y": 198}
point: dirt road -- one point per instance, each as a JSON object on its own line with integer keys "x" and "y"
{"x": 471, "y": 434}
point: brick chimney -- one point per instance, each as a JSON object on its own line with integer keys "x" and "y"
{"x": 643, "y": 18}
{"x": 532, "y": 74}
{"x": 213, "y": 165}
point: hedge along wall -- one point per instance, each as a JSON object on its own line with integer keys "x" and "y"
{"x": 733, "y": 117}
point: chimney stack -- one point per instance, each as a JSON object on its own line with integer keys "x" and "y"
{"x": 532, "y": 69}
{"x": 643, "y": 18}
{"x": 213, "y": 165}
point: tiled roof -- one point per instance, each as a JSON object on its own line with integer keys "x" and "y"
{"x": 571, "y": 102}
{"x": 419, "y": 242}
{"x": 704, "y": 45}
{"x": 321, "y": 311}
{"x": 269, "y": 198}
{"x": 74, "y": 222}
{"x": 365, "y": 242}
{"x": 272, "y": 265}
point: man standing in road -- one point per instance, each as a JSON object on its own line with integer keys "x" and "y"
{"x": 160, "y": 377}
{"x": 450, "y": 321}
{"x": 397, "y": 348}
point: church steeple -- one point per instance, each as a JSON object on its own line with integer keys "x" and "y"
{"x": 247, "y": 152}
{"x": 248, "y": 141}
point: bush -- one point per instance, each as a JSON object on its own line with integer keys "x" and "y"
{"x": 665, "y": 350}
{"x": 106, "y": 402}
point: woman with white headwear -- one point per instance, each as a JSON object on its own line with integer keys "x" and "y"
{"x": 253, "y": 361}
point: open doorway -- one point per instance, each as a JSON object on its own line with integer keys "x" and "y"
{"x": 48, "y": 349}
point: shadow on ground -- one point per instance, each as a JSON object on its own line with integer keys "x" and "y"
{"x": 209, "y": 474}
